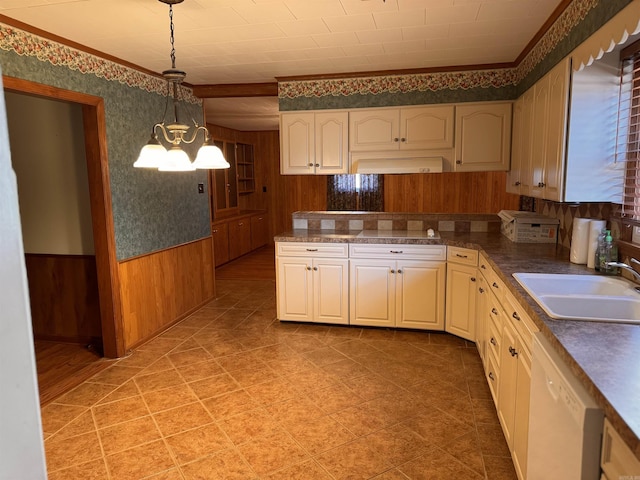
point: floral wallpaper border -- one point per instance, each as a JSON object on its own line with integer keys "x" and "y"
{"x": 496, "y": 78}
{"x": 27, "y": 44}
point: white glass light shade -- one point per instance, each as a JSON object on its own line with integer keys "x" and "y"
{"x": 210, "y": 157}
{"x": 177, "y": 161}
{"x": 152, "y": 155}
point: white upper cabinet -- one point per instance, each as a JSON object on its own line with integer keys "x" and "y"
{"x": 483, "y": 137}
{"x": 405, "y": 128}
{"x": 314, "y": 143}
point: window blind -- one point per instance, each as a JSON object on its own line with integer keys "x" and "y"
{"x": 628, "y": 131}
{"x": 359, "y": 192}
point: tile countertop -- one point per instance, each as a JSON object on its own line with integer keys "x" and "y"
{"x": 604, "y": 356}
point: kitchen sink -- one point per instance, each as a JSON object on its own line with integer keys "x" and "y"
{"x": 583, "y": 297}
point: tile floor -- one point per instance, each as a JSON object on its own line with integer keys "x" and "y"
{"x": 231, "y": 393}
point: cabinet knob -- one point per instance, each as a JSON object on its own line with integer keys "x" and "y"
{"x": 396, "y": 139}
{"x": 541, "y": 184}
{"x": 399, "y": 271}
{"x": 215, "y": 231}
{"x": 310, "y": 164}
{"x": 317, "y": 164}
{"x": 517, "y": 184}
{"x": 493, "y": 341}
{"x": 393, "y": 271}
{"x": 483, "y": 267}
{"x": 491, "y": 376}
{"x": 481, "y": 290}
{"x": 308, "y": 267}
{"x": 516, "y": 316}
{"x": 494, "y": 311}
{"x": 473, "y": 279}
{"x": 513, "y": 352}
{"x": 403, "y": 139}
{"x": 495, "y": 285}
{"x": 458, "y": 162}
{"x": 315, "y": 268}
{"x": 240, "y": 224}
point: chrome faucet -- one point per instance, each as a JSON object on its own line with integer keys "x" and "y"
{"x": 626, "y": 267}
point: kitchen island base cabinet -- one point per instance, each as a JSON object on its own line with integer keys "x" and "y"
{"x": 396, "y": 289}
{"x": 310, "y": 287}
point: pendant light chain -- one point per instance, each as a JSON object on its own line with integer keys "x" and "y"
{"x": 173, "y": 48}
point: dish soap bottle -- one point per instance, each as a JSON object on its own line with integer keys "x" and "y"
{"x": 599, "y": 259}
{"x": 610, "y": 255}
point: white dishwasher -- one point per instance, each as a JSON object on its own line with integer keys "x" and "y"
{"x": 565, "y": 424}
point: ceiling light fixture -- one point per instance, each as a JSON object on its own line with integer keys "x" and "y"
{"x": 154, "y": 154}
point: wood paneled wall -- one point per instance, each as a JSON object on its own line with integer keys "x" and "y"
{"x": 63, "y": 291}
{"x": 163, "y": 287}
{"x": 451, "y": 192}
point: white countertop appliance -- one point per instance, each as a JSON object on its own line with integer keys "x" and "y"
{"x": 565, "y": 424}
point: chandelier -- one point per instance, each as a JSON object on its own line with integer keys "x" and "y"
{"x": 175, "y": 159}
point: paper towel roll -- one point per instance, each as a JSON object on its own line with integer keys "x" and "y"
{"x": 580, "y": 240}
{"x": 595, "y": 227}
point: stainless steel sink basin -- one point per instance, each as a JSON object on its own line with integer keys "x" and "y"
{"x": 583, "y": 297}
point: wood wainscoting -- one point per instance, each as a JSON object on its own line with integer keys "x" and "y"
{"x": 63, "y": 292}
{"x": 161, "y": 288}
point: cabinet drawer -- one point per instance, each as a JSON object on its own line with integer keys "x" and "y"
{"x": 492, "y": 377}
{"x": 521, "y": 320}
{"x": 306, "y": 249}
{"x": 397, "y": 251}
{"x": 464, "y": 256}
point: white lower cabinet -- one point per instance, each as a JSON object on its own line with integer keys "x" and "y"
{"x": 400, "y": 286}
{"x": 312, "y": 287}
{"x": 617, "y": 460}
{"x": 461, "y": 292}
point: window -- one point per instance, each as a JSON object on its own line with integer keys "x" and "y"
{"x": 357, "y": 192}
{"x": 628, "y": 141}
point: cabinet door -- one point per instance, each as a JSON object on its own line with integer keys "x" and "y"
{"x": 483, "y": 137}
{"x": 521, "y": 418}
{"x": 259, "y": 231}
{"x": 297, "y": 153}
{"x": 461, "y": 301}
{"x": 420, "y": 288}
{"x": 239, "y": 237}
{"x": 515, "y": 172}
{"x": 553, "y": 177}
{"x": 331, "y": 143}
{"x": 426, "y": 127}
{"x": 526, "y": 138}
{"x": 481, "y": 317}
{"x": 507, "y": 387}
{"x": 331, "y": 291}
{"x": 220, "y": 234}
{"x": 294, "y": 289}
{"x": 539, "y": 136}
{"x": 372, "y": 292}
{"x": 374, "y": 130}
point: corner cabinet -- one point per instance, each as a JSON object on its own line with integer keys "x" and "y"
{"x": 397, "y": 285}
{"x": 483, "y": 137}
{"x": 406, "y": 128}
{"x": 461, "y": 292}
{"x": 312, "y": 282}
{"x": 314, "y": 143}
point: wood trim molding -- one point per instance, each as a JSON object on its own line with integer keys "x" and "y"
{"x": 100, "y": 197}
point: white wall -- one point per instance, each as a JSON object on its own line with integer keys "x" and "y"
{"x": 48, "y": 156}
{"x": 21, "y": 444}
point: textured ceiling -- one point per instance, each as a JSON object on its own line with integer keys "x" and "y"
{"x": 251, "y": 41}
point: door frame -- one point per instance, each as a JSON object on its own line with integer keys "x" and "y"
{"x": 95, "y": 140}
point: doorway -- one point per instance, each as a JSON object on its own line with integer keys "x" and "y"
{"x": 70, "y": 257}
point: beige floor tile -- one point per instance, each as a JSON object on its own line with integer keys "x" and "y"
{"x": 161, "y": 344}
{"x": 171, "y": 474}
{"x": 308, "y": 470}
{"x": 162, "y": 364}
{"x": 226, "y": 465}
{"x": 140, "y": 358}
{"x": 272, "y": 452}
{"x": 249, "y": 425}
{"x": 71, "y": 451}
{"x": 252, "y": 376}
{"x": 127, "y": 390}
{"x": 140, "y": 462}
{"x": 115, "y": 375}
{"x": 188, "y": 357}
{"x": 55, "y": 416}
{"x": 86, "y": 394}
{"x": 126, "y": 435}
{"x": 120, "y": 411}
{"x": 317, "y": 435}
{"x": 93, "y": 470}
{"x": 295, "y": 411}
{"x": 230, "y": 404}
{"x": 182, "y": 418}
{"x": 324, "y": 356}
{"x": 467, "y": 449}
{"x": 198, "y": 443}
{"x": 397, "y": 444}
{"x": 500, "y": 468}
{"x": 158, "y": 380}
{"x": 82, "y": 424}
{"x": 359, "y": 420}
{"x": 355, "y": 460}
{"x": 273, "y": 391}
{"x": 214, "y": 386}
{"x": 168, "y": 398}
{"x": 198, "y": 371}
{"x": 335, "y": 398}
{"x": 438, "y": 464}
{"x": 491, "y": 439}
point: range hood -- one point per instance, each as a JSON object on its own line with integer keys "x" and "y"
{"x": 395, "y": 162}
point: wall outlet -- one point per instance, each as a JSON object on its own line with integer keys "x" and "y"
{"x": 201, "y": 188}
